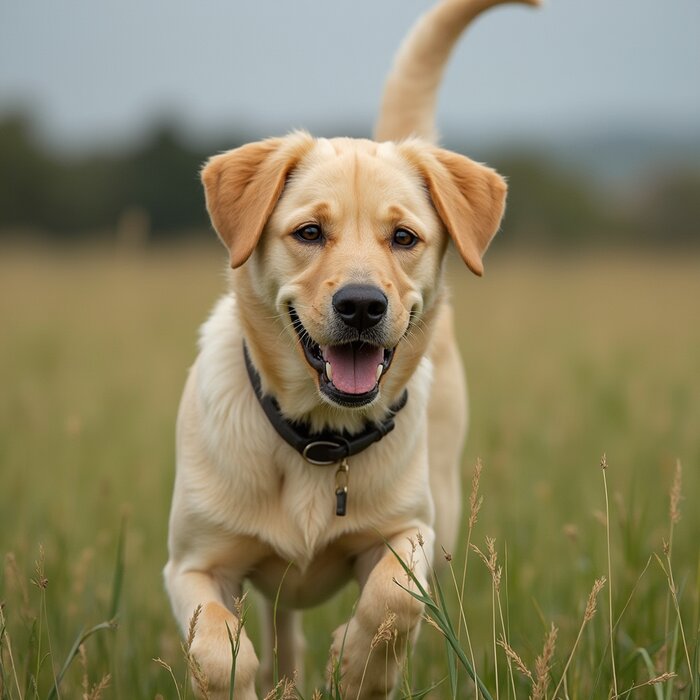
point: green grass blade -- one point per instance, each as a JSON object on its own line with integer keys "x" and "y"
{"x": 451, "y": 670}
{"x": 442, "y": 619}
{"x": 420, "y": 694}
{"x": 275, "y": 607}
{"x": 651, "y": 670}
{"x": 443, "y": 604}
{"x": 408, "y": 571}
{"x": 80, "y": 639}
{"x": 28, "y": 677}
{"x": 451, "y": 665}
{"x": 232, "y": 677}
{"x": 118, "y": 578}
{"x": 169, "y": 669}
{"x": 695, "y": 679}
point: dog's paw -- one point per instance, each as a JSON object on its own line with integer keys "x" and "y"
{"x": 212, "y": 657}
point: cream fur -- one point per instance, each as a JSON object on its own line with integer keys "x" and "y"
{"x": 245, "y": 504}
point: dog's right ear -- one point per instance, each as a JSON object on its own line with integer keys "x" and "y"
{"x": 242, "y": 187}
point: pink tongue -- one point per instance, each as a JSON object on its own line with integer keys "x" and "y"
{"x": 354, "y": 368}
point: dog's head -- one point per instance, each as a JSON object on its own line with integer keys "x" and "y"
{"x": 342, "y": 241}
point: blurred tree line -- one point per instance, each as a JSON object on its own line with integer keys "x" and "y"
{"x": 153, "y": 188}
{"x": 65, "y": 197}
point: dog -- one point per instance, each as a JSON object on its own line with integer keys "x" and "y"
{"x": 322, "y": 422}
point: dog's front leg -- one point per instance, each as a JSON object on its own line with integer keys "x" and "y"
{"x": 211, "y": 647}
{"x": 369, "y": 650}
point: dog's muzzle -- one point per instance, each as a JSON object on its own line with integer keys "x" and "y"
{"x": 350, "y": 370}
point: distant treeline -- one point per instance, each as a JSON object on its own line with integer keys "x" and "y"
{"x": 154, "y": 189}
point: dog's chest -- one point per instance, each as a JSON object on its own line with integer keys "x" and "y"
{"x": 290, "y": 507}
{"x": 307, "y": 510}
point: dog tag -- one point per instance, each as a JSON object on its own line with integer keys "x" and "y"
{"x": 341, "y": 501}
{"x": 341, "y": 488}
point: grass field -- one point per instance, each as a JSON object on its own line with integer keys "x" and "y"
{"x": 567, "y": 359}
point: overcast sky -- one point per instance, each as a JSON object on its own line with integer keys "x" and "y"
{"x": 100, "y": 70}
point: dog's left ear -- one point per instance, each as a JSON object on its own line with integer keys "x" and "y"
{"x": 469, "y": 198}
{"x": 242, "y": 187}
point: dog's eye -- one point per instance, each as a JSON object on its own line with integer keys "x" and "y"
{"x": 403, "y": 238}
{"x": 311, "y": 233}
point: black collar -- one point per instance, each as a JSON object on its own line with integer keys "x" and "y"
{"x": 320, "y": 448}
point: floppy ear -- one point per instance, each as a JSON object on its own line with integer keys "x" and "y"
{"x": 242, "y": 187}
{"x": 469, "y": 198}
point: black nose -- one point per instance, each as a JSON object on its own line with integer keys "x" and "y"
{"x": 360, "y": 305}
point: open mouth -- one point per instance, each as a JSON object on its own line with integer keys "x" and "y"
{"x": 348, "y": 373}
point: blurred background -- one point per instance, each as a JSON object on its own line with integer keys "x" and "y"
{"x": 582, "y": 338}
{"x": 107, "y": 111}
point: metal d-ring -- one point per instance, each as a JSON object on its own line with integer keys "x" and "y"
{"x": 319, "y": 462}
{"x": 340, "y": 442}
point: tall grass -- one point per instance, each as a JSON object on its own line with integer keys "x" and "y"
{"x": 566, "y": 359}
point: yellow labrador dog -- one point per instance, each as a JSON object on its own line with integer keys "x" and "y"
{"x": 325, "y": 413}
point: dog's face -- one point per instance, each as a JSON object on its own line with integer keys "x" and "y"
{"x": 344, "y": 240}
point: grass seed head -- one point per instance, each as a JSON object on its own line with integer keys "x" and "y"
{"x": 198, "y": 675}
{"x": 411, "y": 561}
{"x": 662, "y": 678}
{"x": 513, "y": 656}
{"x": 40, "y": 580}
{"x": 239, "y": 606}
{"x": 497, "y": 574}
{"x": 286, "y": 689}
{"x": 431, "y": 621}
{"x": 475, "y": 500}
{"x": 543, "y": 665}
{"x": 676, "y": 494}
{"x": 591, "y": 603}
{"x": 386, "y": 630}
{"x": 491, "y": 561}
{"x": 192, "y": 628}
{"x": 97, "y": 689}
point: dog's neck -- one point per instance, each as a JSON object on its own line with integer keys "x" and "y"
{"x": 320, "y": 448}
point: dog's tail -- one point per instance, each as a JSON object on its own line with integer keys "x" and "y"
{"x": 410, "y": 93}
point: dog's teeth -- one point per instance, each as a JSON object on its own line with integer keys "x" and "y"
{"x": 380, "y": 369}
{"x": 329, "y": 371}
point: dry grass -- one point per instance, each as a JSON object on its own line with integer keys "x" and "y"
{"x": 566, "y": 359}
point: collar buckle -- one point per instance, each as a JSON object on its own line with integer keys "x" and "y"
{"x": 319, "y": 444}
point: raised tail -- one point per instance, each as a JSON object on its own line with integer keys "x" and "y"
{"x": 410, "y": 93}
